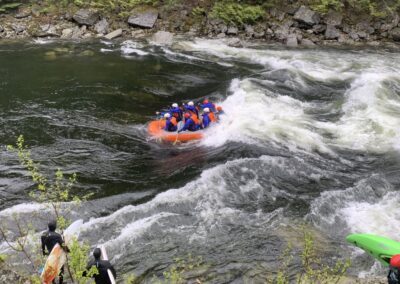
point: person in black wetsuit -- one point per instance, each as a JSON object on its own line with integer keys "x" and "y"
{"x": 49, "y": 239}
{"x": 102, "y": 266}
{"x": 394, "y": 274}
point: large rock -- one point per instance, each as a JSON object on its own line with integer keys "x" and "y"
{"x": 306, "y": 16}
{"x": 86, "y": 17}
{"x": 232, "y": 31}
{"x": 1, "y": 29}
{"x": 101, "y": 27}
{"x": 234, "y": 42}
{"x": 307, "y": 42}
{"x": 18, "y": 28}
{"x": 395, "y": 33}
{"x": 23, "y": 13}
{"x": 291, "y": 40}
{"x": 334, "y": 18}
{"x": 365, "y": 27}
{"x": 331, "y": 32}
{"x": 162, "y": 38}
{"x": 282, "y": 31}
{"x": 145, "y": 19}
{"x": 114, "y": 34}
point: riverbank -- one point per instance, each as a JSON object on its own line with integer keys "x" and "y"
{"x": 293, "y": 25}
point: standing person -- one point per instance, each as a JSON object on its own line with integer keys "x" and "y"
{"x": 49, "y": 239}
{"x": 394, "y": 274}
{"x": 102, "y": 267}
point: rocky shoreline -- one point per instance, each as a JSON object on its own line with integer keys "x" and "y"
{"x": 293, "y": 27}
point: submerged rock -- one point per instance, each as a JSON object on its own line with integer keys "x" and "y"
{"x": 145, "y": 19}
{"x": 162, "y": 38}
{"x": 307, "y": 16}
{"x": 86, "y": 17}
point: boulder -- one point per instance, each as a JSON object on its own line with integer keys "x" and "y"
{"x": 365, "y": 27}
{"x": 1, "y": 29}
{"x": 221, "y": 35}
{"x": 334, "y": 18}
{"x": 86, "y": 17}
{"x": 145, "y": 19}
{"x": 138, "y": 34}
{"x": 249, "y": 30}
{"x": 307, "y": 42}
{"x": 23, "y": 13}
{"x": 18, "y": 28}
{"x": 101, "y": 27}
{"x": 319, "y": 29}
{"x": 66, "y": 33}
{"x": 331, "y": 32}
{"x": 232, "y": 31}
{"x": 45, "y": 30}
{"x": 114, "y": 34}
{"x": 395, "y": 33}
{"x": 306, "y": 16}
{"x": 221, "y": 28}
{"x": 162, "y": 38}
{"x": 259, "y": 35}
{"x": 291, "y": 40}
{"x": 282, "y": 31}
{"x": 234, "y": 42}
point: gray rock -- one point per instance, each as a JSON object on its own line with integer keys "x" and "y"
{"x": 23, "y": 13}
{"x": 221, "y": 28}
{"x": 86, "y": 17}
{"x": 291, "y": 40}
{"x": 354, "y": 35}
{"x": 365, "y": 27}
{"x": 18, "y": 28}
{"x": 162, "y": 38}
{"x": 319, "y": 29}
{"x": 259, "y": 35}
{"x": 101, "y": 27}
{"x": 386, "y": 27}
{"x": 138, "y": 34}
{"x": 282, "y": 31}
{"x": 46, "y": 30}
{"x": 395, "y": 33}
{"x": 66, "y": 33}
{"x": 396, "y": 20}
{"x": 307, "y": 16}
{"x": 145, "y": 19}
{"x": 307, "y": 42}
{"x": 362, "y": 34}
{"x": 331, "y": 32}
{"x": 221, "y": 35}
{"x": 114, "y": 34}
{"x": 249, "y": 30}
{"x": 1, "y": 29}
{"x": 232, "y": 31}
{"x": 334, "y": 18}
{"x": 234, "y": 42}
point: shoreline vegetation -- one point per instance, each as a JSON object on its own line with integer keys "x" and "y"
{"x": 293, "y": 23}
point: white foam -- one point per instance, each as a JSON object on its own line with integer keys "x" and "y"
{"x": 129, "y": 47}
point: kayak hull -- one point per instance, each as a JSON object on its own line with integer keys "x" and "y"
{"x": 380, "y": 248}
{"x": 156, "y": 130}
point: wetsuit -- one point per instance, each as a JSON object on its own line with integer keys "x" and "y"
{"x": 206, "y": 120}
{"x": 189, "y": 125}
{"x": 393, "y": 276}
{"x": 102, "y": 266}
{"x": 171, "y": 124}
{"x": 49, "y": 240}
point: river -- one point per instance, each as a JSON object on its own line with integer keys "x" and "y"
{"x": 309, "y": 136}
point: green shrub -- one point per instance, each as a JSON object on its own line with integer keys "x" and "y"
{"x": 235, "y": 13}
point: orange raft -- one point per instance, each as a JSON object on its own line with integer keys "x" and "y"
{"x": 156, "y": 130}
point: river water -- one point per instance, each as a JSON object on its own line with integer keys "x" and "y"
{"x": 309, "y": 136}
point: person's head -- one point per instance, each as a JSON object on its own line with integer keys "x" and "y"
{"x": 205, "y": 101}
{"x": 167, "y": 115}
{"x": 187, "y": 115}
{"x": 395, "y": 261}
{"x": 97, "y": 253}
{"x": 52, "y": 225}
{"x": 206, "y": 110}
{"x": 174, "y": 105}
{"x": 219, "y": 108}
{"x": 191, "y": 104}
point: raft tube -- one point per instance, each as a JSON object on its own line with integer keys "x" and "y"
{"x": 156, "y": 130}
{"x": 380, "y": 248}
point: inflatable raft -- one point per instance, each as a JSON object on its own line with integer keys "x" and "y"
{"x": 156, "y": 130}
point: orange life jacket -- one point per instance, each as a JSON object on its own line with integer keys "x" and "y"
{"x": 211, "y": 115}
{"x": 173, "y": 121}
{"x": 195, "y": 119}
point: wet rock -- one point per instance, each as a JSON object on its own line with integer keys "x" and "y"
{"x": 319, "y": 29}
{"x": 101, "y": 27}
{"x": 307, "y": 42}
{"x": 18, "y": 28}
{"x": 282, "y": 31}
{"x": 1, "y": 29}
{"x": 258, "y": 35}
{"x": 162, "y": 38}
{"x": 46, "y": 30}
{"x": 145, "y": 19}
{"x": 86, "y": 17}
{"x": 138, "y": 34}
{"x": 232, "y": 31}
{"x": 395, "y": 34}
{"x": 221, "y": 35}
{"x": 331, "y": 32}
{"x": 23, "y": 13}
{"x": 334, "y": 18}
{"x": 306, "y": 16}
{"x": 291, "y": 40}
{"x": 234, "y": 42}
{"x": 114, "y": 34}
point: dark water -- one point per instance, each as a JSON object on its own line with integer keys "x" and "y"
{"x": 309, "y": 136}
